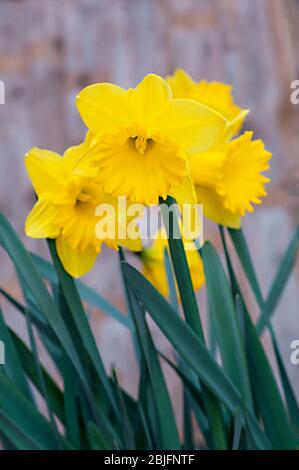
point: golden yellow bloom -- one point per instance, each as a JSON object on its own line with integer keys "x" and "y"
{"x": 216, "y": 95}
{"x": 227, "y": 177}
{"x": 153, "y": 264}
{"x": 229, "y": 181}
{"x": 66, "y": 207}
{"x": 141, "y": 139}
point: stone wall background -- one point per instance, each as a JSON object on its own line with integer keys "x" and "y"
{"x": 49, "y": 49}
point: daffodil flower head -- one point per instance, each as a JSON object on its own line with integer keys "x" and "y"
{"x": 142, "y": 138}
{"x": 66, "y": 207}
{"x": 228, "y": 177}
{"x": 153, "y": 263}
{"x": 230, "y": 181}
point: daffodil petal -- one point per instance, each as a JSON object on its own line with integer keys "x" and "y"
{"x": 46, "y": 171}
{"x": 193, "y": 125}
{"x": 103, "y": 106}
{"x": 214, "y": 210}
{"x": 75, "y": 262}
{"x": 235, "y": 124}
{"x": 219, "y": 96}
{"x": 132, "y": 245}
{"x": 149, "y": 99}
{"x": 184, "y": 193}
{"x": 41, "y": 221}
{"x": 215, "y": 95}
{"x": 181, "y": 83}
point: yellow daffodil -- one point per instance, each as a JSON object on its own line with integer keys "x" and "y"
{"x": 231, "y": 179}
{"x": 66, "y": 207}
{"x": 228, "y": 177}
{"x": 142, "y": 137}
{"x": 153, "y": 264}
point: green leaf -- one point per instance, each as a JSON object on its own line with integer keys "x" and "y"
{"x": 242, "y": 250}
{"x": 183, "y": 339}
{"x": 167, "y": 432}
{"x": 187, "y": 423}
{"x": 16, "y": 434}
{"x": 21, "y": 411}
{"x": 266, "y": 392}
{"x": 80, "y": 320}
{"x": 289, "y": 394}
{"x": 36, "y": 317}
{"x": 12, "y": 366}
{"x": 41, "y": 379}
{"x": 196, "y": 394}
{"x": 226, "y": 322}
{"x": 27, "y": 270}
{"x": 258, "y": 437}
{"x": 171, "y": 281}
{"x": 28, "y": 364}
{"x": 190, "y": 308}
{"x": 180, "y": 266}
{"x": 279, "y": 281}
{"x": 237, "y": 429}
{"x": 97, "y": 442}
{"x": 87, "y": 294}
{"x": 71, "y": 408}
{"x": 244, "y": 255}
{"x": 128, "y": 432}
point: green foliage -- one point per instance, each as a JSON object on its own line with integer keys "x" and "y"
{"x": 235, "y": 400}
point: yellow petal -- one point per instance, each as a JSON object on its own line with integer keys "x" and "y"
{"x": 186, "y": 197}
{"x": 181, "y": 84}
{"x": 192, "y": 125}
{"x": 234, "y": 124}
{"x": 149, "y": 99}
{"x": 215, "y": 95}
{"x": 132, "y": 245}
{"x": 206, "y": 167}
{"x": 73, "y": 155}
{"x": 46, "y": 171}
{"x": 103, "y": 106}
{"x": 184, "y": 193}
{"x": 214, "y": 210}
{"x": 124, "y": 223}
{"x": 41, "y": 222}
{"x": 79, "y": 225}
{"x": 219, "y": 96}
{"x": 75, "y": 262}
{"x": 242, "y": 183}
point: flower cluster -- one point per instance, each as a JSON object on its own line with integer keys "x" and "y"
{"x": 166, "y": 137}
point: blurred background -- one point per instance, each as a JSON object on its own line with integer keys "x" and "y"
{"x": 51, "y": 49}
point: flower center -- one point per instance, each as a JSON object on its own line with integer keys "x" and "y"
{"x": 83, "y": 196}
{"x": 141, "y": 143}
